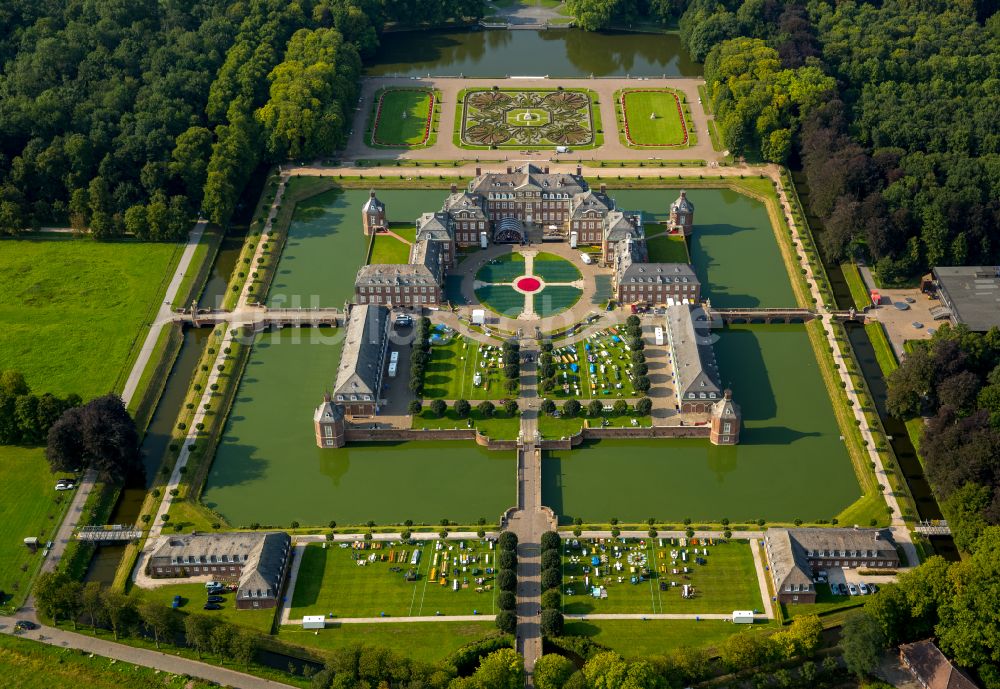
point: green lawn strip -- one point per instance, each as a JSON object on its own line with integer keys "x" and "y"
{"x": 564, "y": 427}
{"x": 665, "y": 129}
{"x": 193, "y": 597}
{"x": 808, "y": 240}
{"x": 503, "y": 268}
{"x": 331, "y": 582}
{"x": 502, "y": 299}
{"x": 154, "y": 376}
{"x": 390, "y": 129}
{"x": 498, "y": 427}
{"x": 856, "y": 284}
{"x": 667, "y": 248}
{"x": 29, "y": 506}
{"x": 726, "y": 582}
{"x": 825, "y": 603}
{"x": 405, "y": 230}
{"x": 556, "y": 299}
{"x": 713, "y": 135}
{"x": 639, "y": 638}
{"x": 388, "y": 249}
{"x": 884, "y": 353}
{"x": 451, "y": 371}
{"x": 31, "y": 664}
{"x": 552, "y": 268}
{"x": 429, "y": 642}
{"x": 706, "y": 102}
{"x": 195, "y": 277}
{"x": 74, "y": 312}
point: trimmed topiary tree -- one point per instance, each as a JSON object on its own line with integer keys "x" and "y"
{"x": 462, "y": 408}
{"x": 507, "y": 559}
{"x": 551, "y": 540}
{"x": 507, "y": 541}
{"x": 551, "y": 578}
{"x": 551, "y": 599}
{"x": 506, "y": 600}
{"x": 438, "y": 408}
{"x": 506, "y": 621}
{"x": 552, "y": 623}
{"x": 506, "y": 580}
{"x": 551, "y": 559}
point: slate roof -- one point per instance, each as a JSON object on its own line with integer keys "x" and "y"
{"x": 682, "y": 203}
{"x": 396, "y": 274}
{"x": 619, "y": 225}
{"x": 528, "y": 177}
{"x": 435, "y": 226}
{"x": 429, "y": 255}
{"x": 464, "y": 202}
{"x": 590, "y": 201}
{"x": 932, "y": 668}
{"x": 693, "y": 355}
{"x": 373, "y": 203}
{"x": 361, "y": 360}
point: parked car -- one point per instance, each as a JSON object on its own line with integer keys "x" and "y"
{"x": 873, "y": 588}
{"x": 65, "y": 486}
{"x": 24, "y": 626}
{"x": 212, "y": 606}
{"x": 853, "y": 589}
{"x": 863, "y": 587}
{"x": 176, "y": 602}
{"x": 216, "y": 599}
{"x": 218, "y": 590}
{"x": 213, "y": 584}
{"x": 842, "y": 589}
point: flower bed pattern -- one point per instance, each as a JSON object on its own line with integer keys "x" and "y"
{"x": 680, "y": 115}
{"x": 427, "y": 122}
{"x": 496, "y": 118}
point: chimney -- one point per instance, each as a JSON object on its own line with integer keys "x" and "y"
{"x": 479, "y": 171}
{"x": 579, "y": 171}
{"x": 509, "y": 169}
{"x": 728, "y": 394}
{"x": 604, "y": 188}
{"x": 545, "y": 169}
{"x": 371, "y": 194}
{"x": 454, "y": 188}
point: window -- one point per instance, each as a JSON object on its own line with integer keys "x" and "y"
{"x": 727, "y": 427}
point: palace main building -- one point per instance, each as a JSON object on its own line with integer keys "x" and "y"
{"x": 500, "y": 208}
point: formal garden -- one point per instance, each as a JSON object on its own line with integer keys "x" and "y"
{"x": 404, "y": 118}
{"x": 653, "y": 118}
{"x": 528, "y": 118}
{"x": 503, "y": 282}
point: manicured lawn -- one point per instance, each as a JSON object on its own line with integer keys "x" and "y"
{"x": 555, "y": 298}
{"x": 193, "y": 598}
{"x": 502, "y": 299}
{"x": 527, "y": 118}
{"x": 33, "y": 665}
{"x": 564, "y": 426}
{"x": 667, "y": 248}
{"x": 499, "y": 427}
{"x": 552, "y": 268}
{"x": 637, "y": 638}
{"x": 503, "y": 268}
{"x": 726, "y": 582}
{"x": 605, "y": 361}
{"x": 388, "y": 249}
{"x": 72, "y": 310}
{"x": 452, "y": 369}
{"x": 333, "y": 580}
{"x": 29, "y": 506}
{"x": 425, "y": 641}
{"x": 653, "y": 118}
{"x": 392, "y": 128}
{"x": 825, "y": 602}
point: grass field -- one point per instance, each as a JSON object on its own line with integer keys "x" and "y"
{"x": 332, "y": 580}
{"x": 452, "y": 369}
{"x": 584, "y": 385}
{"x": 33, "y": 665}
{"x": 653, "y": 118}
{"x": 388, "y": 249}
{"x": 502, "y": 299}
{"x": 637, "y": 638}
{"x": 554, "y": 299}
{"x": 72, "y": 309}
{"x": 499, "y": 427}
{"x": 503, "y": 268}
{"x": 667, "y": 248}
{"x": 193, "y": 598}
{"x": 426, "y": 641}
{"x": 552, "y": 268}
{"x": 564, "y": 427}
{"x": 726, "y": 582}
{"x": 28, "y": 507}
{"x": 392, "y": 128}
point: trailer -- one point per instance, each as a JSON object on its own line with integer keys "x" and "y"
{"x": 742, "y": 616}
{"x": 658, "y": 334}
{"x": 313, "y": 622}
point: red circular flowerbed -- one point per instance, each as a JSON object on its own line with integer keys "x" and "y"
{"x": 528, "y": 284}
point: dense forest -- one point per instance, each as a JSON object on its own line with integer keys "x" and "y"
{"x": 133, "y": 116}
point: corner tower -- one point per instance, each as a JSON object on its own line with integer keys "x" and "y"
{"x": 328, "y": 422}
{"x": 682, "y": 215}
{"x": 725, "y": 421}
{"x": 373, "y": 215}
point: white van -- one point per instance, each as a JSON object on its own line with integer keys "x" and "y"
{"x": 586, "y": 259}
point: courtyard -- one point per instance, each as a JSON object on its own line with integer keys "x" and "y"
{"x": 596, "y": 367}
{"x": 395, "y": 579}
{"x": 528, "y": 284}
{"x": 462, "y": 368}
{"x": 528, "y": 118}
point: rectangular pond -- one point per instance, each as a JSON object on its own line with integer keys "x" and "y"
{"x": 790, "y": 462}
{"x": 326, "y": 245}
{"x": 733, "y": 248}
{"x": 268, "y": 469}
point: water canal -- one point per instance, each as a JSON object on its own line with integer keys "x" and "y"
{"x": 790, "y": 463}
{"x": 555, "y": 53}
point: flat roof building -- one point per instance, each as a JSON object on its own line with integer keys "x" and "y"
{"x": 971, "y": 294}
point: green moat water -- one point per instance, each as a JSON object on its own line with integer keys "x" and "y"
{"x": 790, "y": 462}
{"x": 268, "y": 469}
{"x": 556, "y": 53}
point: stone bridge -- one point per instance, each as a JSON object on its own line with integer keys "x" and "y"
{"x": 113, "y": 533}
{"x": 263, "y": 316}
{"x": 720, "y": 317}
{"x": 935, "y": 527}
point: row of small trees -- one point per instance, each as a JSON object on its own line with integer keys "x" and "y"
{"x": 57, "y": 596}
{"x": 552, "y": 617}
{"x": 420, "y": 354}
{"x": 462, "y": 408}
{"x": 595, "y": 408}
{"x": 506, "y": 562}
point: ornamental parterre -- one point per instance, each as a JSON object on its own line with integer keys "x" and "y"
{"x": 527, "y": 118}
{"x": 680, "y": 114}
{"x": 427, "y": 123}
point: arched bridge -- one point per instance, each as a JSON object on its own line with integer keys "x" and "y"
{"x": 263, "y": 316}
{"x": 933, "y": 527}
{"x": 776, "y": 315}
{"x": 109, "y": 534}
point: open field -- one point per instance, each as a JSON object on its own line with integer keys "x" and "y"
{"x": 28, "y": 507}
{"x": 602, "y": 369}
{"x": 33, "y": 665}
{"x": 369, "y": 580}
{"x": 499, "y": 427}
{"x": 426, "y": 641}
{"x": 564, "y": 426}
{"x": 388, "y": 249}
{"x": 634, "y": 575}
{"x": 268, "y": 470}
{"x": 403, "y": 118}
{"x": 73, "y": 309}
{"x": 667, "y": 248}
{"x": 193, "y": 598}
{"x": 637, "y": 638}
{"x": 453, "y": 367}
{"x": 652, "y": 118}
